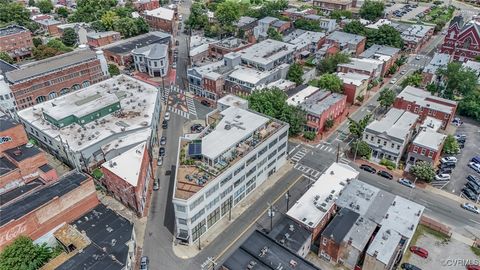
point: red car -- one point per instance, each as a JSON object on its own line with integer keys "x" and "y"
{"x": 473, "y": 267}
{"x": 419, "y": 251}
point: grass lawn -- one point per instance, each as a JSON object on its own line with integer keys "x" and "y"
{"x": 439, "y": 12}
{"x": 476, "y": 250}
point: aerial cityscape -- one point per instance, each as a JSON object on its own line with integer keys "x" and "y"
{"x": 239, "y": 134}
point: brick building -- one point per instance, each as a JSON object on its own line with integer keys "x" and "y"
{"x": 20, "y": 161}
{"x": 462, "y": 39}
{"x": 129, "y": 177}
{"x": 346, "y": 42}
{"x": 225, "y": 46}
{"x": 49, "y": 26}
{"x": 328, "y": 6}
{"x": 428, "y": 144}
{"x": 46, "y": 79}
{"x": 354, "y": 85}
{"x": 416, "y": 36}
{"x": 142, "y": 5}
{"x": 16, "y": 41}
{"x": 98, "y": 39}
{"x": 373, "y": 68}
{"x": 388, "y": 55}
{"x": 161, "y": 19}
{"x": 423, "y": 103}
{"x": 39, "y": 211}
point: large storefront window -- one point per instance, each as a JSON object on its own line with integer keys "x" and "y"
{"x": 226, "y": 205}
{"x": 198, "y": 230}
{"x": 213, "y": 217}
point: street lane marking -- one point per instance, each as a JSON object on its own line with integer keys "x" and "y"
{"x": 474, "y": 221}
{"x": 382, "y": 184}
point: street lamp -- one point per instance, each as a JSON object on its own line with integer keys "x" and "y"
{"x": 271, "y": 214}
{"x": 287, "y": 197}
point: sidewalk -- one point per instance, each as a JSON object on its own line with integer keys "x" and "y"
{"x": 186, "y": 252}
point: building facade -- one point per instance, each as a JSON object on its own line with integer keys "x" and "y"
{"x": 152, "y": 59}
{"x": 346, "y": 42}
{"x": 47, "y": 79}
{"x": 98, "y": 39}
{"x": 328, "y": 6}
{"x": 161, "y": 19}
{"x": 462, "y": 39}
{"x": 355, "y": 85}
{"x": 240, "y": 152}
{"x": 16, "y": 41}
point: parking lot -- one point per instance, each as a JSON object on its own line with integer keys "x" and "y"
{"x": 445, "y": 254}
{"x": 471, "y": 149}
{"x": 410, "y": 12}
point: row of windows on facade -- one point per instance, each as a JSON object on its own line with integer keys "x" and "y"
{"x": 430, "y": 111}
{"x": 379, "y": 141}
{"x": 423, "y": 152}
{"x": 52, "y": 95}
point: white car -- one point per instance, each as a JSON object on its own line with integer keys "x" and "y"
{"x": 470, "y": 207}
{"x": 417, "y": 57}
{"x": 474, "y": 166}
{"x": 160, "y": 161}
{"x": 449, "y": 159}
{"x": 393, "y": 81}
{"x": 442, "y": 177}
{"x": 180, "y": 17}
{"x": 167, "y": 116}
{"x": 403, "y": 72}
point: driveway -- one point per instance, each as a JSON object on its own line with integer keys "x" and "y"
{"x": 472, "y": 146}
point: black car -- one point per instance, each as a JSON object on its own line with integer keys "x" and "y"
{"x": 165, "y": 124}
{"x": 196, "y": 128}
{"x": 450, "y": 165}
{"x": 144, "y": 263}
{"x": 473, "y": 187}
{"x": 469, "y": 194}
{"x": 445, "y": 170}
{"x": 163, "y": 140}
{"x": 473, "y": 179}
{"x": 162, "y": 151}
{"x": 205, "y": 103}
{"x": 368, "y": 168}
{"x": 409, "y": 266}
{"x": 385, "y": 174}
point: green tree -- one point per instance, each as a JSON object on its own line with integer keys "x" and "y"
{"x": 470, "y": 106}
{"x": 44, "y": 51}
{"x": 386, "y": 98}
{"x": 142, "y": 26}
{"x": 198, "y": 18}
{"x": 273, "y": 102}
{"x": 6, "y": 57}
{"x": 31, "y": 3}
{"x": 126, "y": 26}
{"x": 330, "y": 82}
{"x": 361, "y": 148}
{"x": 372, "y": 10}
{"x": 392, "y": 69}
{"x": 45, "y": 6}
{"x": 459, "y": 81}
{"x": 69, "y": 37}
{"x": 13, "y": 12}
{"x": 339, "y": 14}
{"x": 360, "y": 98}
{"x": 62, "y": 12}
{"x": 274, "y": 34}
{"x": 329, "y": 123}
{"x": 108, "y": 19}
{"x": 113, "y": 70}
{"x": 58, "y": 45}
{"x": 450, "y": 146}
{"x": 330, "y": 63}
{"x": 24, "y": 254}
{"x": 309, "y": 135}
{"x": 423, "y": 170}
{"x": 227, "y": 13}
{"x": 37, "y": 41}
{"x": 385, "y": 35}
{"x": 414, "y": 79}
{"x": 357, "y": 128}
{"x": 307, "y": 25}
{"x": 91, "y": 10}
{"x": 354, "y": 27}
{"x": 295, "y": 73}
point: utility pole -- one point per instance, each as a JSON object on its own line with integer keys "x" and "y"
{"x": 338, "y": 151}
{"x": 356, "y": 149}
{"x": 271, "y": 213}
{"x": 287, "y": 197}
{"x": 199, "y": 236}
{"x": 230, "y": 209}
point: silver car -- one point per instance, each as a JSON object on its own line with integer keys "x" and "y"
{"x": 470, "y": 207}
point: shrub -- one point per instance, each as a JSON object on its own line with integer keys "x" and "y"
{"x": 309, "y": 135}
{"x": 388, "y": 163}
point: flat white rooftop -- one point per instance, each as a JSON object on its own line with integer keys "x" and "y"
{"x": 384, "y": 244}
{"x": 353, "y": 78}
{"x": 365, "y": 64}
{"x": 429, "y": 139}
{"x": 266, "y": 51}
{"x": 162, "y": 13}
{"x": 236, "y": 125}
{"x": 396, "y": 123}
{"x": 311, "y": 208}
{"x": 425, "y": 99}
{"x": 233, "y": 101}
{"x": 302, "y": 95}
{"x": 137, "y": 102}
{"x": 251, "y": 75}
{"x": 127, "y": 165}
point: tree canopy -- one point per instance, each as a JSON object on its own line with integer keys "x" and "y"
{"x": 273, "y": 102}
{"x": 295, "y": 73}
{"x": 113, "y": 70}
{"x": 330, "y": 63}
{"x": 24, "y": 254}
{"x": 451, "y": 146}
{"x": 339, "y": 14}
{"x": 6, "y": 57}
{"x": 198, "y": 18}
{"x": 385, "y": 35}
{"x": 414, "y": 79}
{"x": 69, "y": 37}
{"x": 227, "y": 13}
{"x": 53, "y": 47}
{"x": 357, "y": 128}
{"x": 45, "y": 6}
{"x": 387, "y": 97}
{"x": 372, "y": 10}
{"x": 355, "y": 27}
{"x": 423, "y": 170}
{"x": 91, "y": 10}
{"x": 330, "y": 82}
{"x": 459, "y": 81}
{"x": 361, "y": 148}
{"x": 14, "y": 12}
{"x": 62, "y": 12}
{"x": 274, "y": 34}
{"x": 307, "y": 25}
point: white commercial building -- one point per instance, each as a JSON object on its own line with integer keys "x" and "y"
{"x": 152, "y": 59}
{"x": 79, "y": 126}
{"x": 236, "y": 152}
{"x": 389, "y": 136}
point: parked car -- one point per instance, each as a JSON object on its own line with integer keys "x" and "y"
{"x": 159, "y": 161}
{"x": 460, "y": 137}
{"x": 474, "y": 166}
{"x": 385, "y": 174}
{"x": 403, "y": 72}
{"x": 447, "y": 165}
{"x": 164, "y": 124}
{"x": 368, "y": 168}
{"x": 445, "y": 171}
{"x": 417, "y": 57}
{"x": 470, "y": 207}
{"x": 393, "y": 81}
{"x": 469, "y": 194}
{"x": 448, "y": 159}
{"x": 156, "y": 185}
{"x": 406, "y": 182}
{"x": 167, "y": 116}
{"x": 473, "y": 187}
{"x": 163, "y": 140}
{"x": 457, "y": 122}
{"x": 162, "y": 151}
{"x": 180, "y": 17}
{"x": 205, "y": 103}
{"x": 177, "y": 42}
{"x": 196, "y": 128}
{"x": 473, "y": 267}
{"x": 409, "y": 266}
{"x": 144, "y": 263}
{"x": 476, "y": 159}
{"x": 419, "y": 251}
{"x": 442, "y": 177}
{"x": 473, "y": 179}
